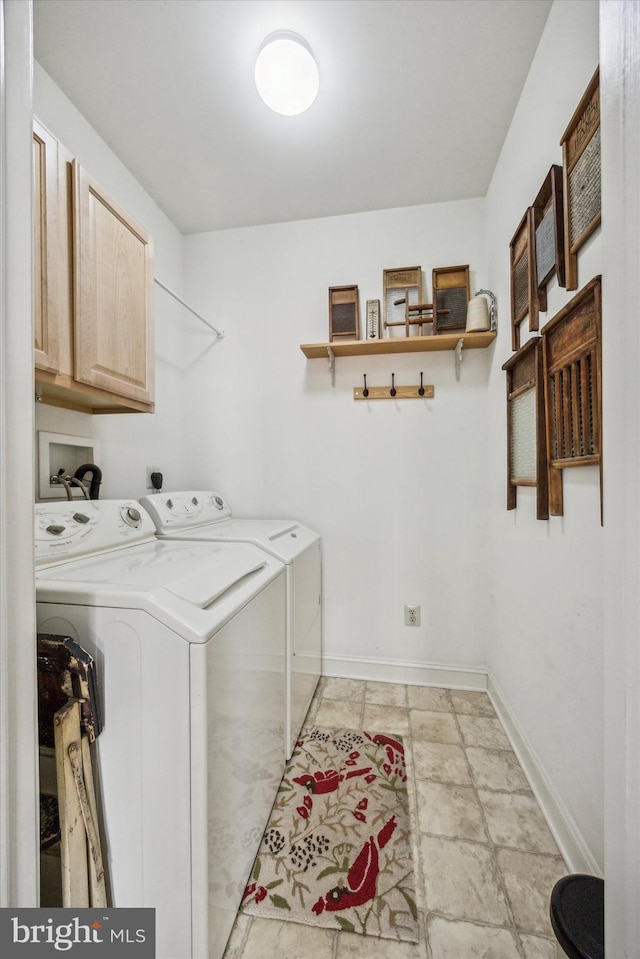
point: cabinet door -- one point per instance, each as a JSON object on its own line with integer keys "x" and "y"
{"x": 113, "y": 278}
{"x": 52, "y": 253}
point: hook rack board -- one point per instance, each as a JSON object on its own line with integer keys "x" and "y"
{"x": 402, "y": 393}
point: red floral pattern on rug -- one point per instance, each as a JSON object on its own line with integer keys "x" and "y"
{"x": 337, "y": 849}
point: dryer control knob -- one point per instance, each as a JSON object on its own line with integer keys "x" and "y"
{"x": 132, "y": 516}
{"x": 218, "y": 500}
{"x": 169, "y": 504}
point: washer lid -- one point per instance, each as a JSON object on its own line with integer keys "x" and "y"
{"x": 284, "y": 539}
{"x": 218, "y": 574}
{"x": 192, "y": 587}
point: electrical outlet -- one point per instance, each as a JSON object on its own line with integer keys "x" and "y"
{"x": 150, "y": 470}
{"x": 412, "y": 616}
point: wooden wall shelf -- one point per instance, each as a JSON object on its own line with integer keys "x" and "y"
{"x": 399, "y": 344}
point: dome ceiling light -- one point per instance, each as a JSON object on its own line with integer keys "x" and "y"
{"x": 286, "y": 73}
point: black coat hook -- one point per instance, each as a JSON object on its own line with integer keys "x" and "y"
{"x": 421, "y": 390}
{"x": 365, "y": 391}
{"x": 393, "y": 388}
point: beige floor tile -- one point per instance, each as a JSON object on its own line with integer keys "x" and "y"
{"x": 466, "y": 940}
{"x": 537, "y": 948}
{"x": 496, "y": 769}
{"x": 431, "y": 726}
{"x": 336, "y": 712}
{"x": 337, "y": 688}
{"x": 352, "y": 946}
{"x": 529, "y": 879}
{"x": 429, "y": 697}
{"x": 386, "y": 694}
{"x": 236, "y": 939}
{"x": 472, "y": 703}
{"x": 483, "y": 731}
{"x": 453, "y": 811}
{"x": 443, "y": 762}
{"x": 385, "y": 719}
{"x": 287, "y": 940}
{"x": 461, "y": 881}
{"x": 515, "y": 820}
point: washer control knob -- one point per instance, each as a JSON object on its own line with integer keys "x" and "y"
{"x": 219, "y": 502}
{"x": 55, "y": 529}
{"x": 194, "y": 500}
{"x": 81, "y": 517}
{"x": 169, "y": 504}
{"x": 132, "y": 516}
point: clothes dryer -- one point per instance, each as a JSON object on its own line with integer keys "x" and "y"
{"x": 188, "y": 642}
{"x": 204, "y": 516}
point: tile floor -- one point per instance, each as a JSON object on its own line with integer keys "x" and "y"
{"x": 485, "y": 860}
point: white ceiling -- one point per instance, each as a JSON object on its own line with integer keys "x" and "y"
{"x": 415, "y": 100}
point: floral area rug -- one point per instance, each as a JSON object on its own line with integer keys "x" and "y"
{"x": 336, "y": 852}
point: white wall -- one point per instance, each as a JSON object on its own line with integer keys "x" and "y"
{"x": 395, "y": 488}
{"x": 132, "y": 441}
{"x": 544, "y": 628}
{"x": 620, "y": 88}
{"x": 19, "y": 806}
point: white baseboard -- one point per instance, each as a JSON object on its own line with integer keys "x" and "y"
{"x": 397, "y": 671}
{"x": 571, "y": 843}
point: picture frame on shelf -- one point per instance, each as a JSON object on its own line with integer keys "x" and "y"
{"x": 401, "y": 287}
{"x": 451, "y": 293}
{"x": 344, "y": 313}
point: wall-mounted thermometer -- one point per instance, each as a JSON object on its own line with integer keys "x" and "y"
{"x": 373, "y": 319}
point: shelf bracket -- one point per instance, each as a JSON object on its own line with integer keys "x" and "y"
{"x": 332, "y": 365}
{"x": 458, "y": 357}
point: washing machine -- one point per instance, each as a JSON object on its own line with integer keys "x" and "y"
{"x": 188, "y": 643}
{"x": 205, "y": 517}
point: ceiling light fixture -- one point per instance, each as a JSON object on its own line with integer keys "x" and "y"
{"x": 286, "y": 73}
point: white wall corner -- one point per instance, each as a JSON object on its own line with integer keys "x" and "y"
{"x": 572, "y": 845}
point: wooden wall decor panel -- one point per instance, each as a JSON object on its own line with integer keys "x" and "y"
{"x": 524, "y": 300}
{"x": 581, "y": 177}
{"x": 526, "y": 437}
{"x": 548, "y": 235}
{"x": 451, "y": 292}
{"x": 400, "y": 287}
{"x": 572, "y": 356}
{"x": 344, "y": 313}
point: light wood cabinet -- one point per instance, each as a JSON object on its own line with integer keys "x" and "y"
{"x": 53, "y": 304}
{"x": 93, "y": 290}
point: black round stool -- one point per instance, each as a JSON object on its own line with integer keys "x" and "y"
{"x": 577, "y": 916}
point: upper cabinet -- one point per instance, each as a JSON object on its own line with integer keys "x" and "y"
{"x": 93, "y": 290}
